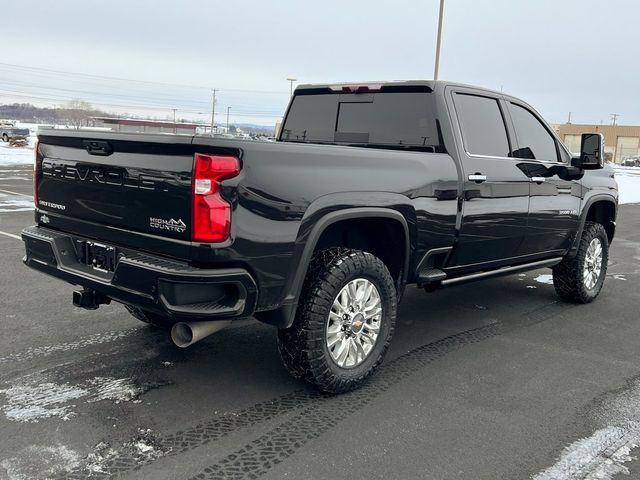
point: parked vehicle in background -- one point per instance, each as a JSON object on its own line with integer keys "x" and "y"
{"x": 369, "y": 188}
{"x": 631, "y": 162}
{"x": 9, "y": 133}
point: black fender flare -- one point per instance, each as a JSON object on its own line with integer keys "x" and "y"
{"x": 583, "y": 218}
{"x": 283, "y": 316}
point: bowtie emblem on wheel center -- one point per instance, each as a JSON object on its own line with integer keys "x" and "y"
{"x": 357, "y": 323}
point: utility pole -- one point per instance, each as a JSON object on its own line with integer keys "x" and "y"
{"x": 213, "y": 111}
{"x": 175, "y": 130}
{"x": 614, "y": 118}
{"x": 291, "y": 80}
{"x": 228, "y": 108}
{"x": 438, "y": 40}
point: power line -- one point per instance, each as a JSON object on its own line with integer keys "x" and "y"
{"x": 145, "y": 82}
{"x": 144, "y": 101}
{"x": 51, "y": 98}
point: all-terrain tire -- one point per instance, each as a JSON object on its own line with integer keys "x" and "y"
{"x": 568, "y": 275}
{"x": 5, "y": 137}
{"x": 158, "y": 321}
{"x": 303, "y": 346}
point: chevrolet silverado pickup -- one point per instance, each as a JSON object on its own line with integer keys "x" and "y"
{"x": 369, "y": 188}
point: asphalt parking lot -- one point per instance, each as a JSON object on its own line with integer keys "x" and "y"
{"x": 493, "y": 380}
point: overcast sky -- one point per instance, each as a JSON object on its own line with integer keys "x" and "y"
{"x": 581, "y": 56}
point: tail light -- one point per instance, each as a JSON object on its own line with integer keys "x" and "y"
{"x": 35, "y": 173}
{"x": 211, "y": 218}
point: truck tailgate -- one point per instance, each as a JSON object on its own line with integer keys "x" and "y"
{"x": 126, "y": 188}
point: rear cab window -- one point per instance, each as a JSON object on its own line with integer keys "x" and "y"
{"x": 385, "y": 119}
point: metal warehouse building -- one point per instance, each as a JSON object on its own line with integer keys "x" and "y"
{"x": 622, "y": 141}
{"x": 147, "y": 126}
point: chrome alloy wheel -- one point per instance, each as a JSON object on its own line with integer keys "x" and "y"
{"x": 592, "y": 264}
{"x": 354, "y": 323}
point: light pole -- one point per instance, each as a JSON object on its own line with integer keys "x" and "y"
{"x": 228, "y": 108}
{"x": 438, "y": 40}
{"x": 213, "y": 110}
{"x": 291, "y": 80}
{"x": 174, "y": 120}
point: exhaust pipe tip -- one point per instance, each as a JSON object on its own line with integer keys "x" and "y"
{"x": 185, "y": 334}
{"x": 182, "y": 335}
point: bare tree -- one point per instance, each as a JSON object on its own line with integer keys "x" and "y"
{"x": 77, "y": 112}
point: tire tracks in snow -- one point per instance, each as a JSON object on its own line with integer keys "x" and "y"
{"x": 310, "y": 413}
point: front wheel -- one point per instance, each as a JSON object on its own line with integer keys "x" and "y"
{"x": 580, "y": 279}
{"x": 344, "y": 321}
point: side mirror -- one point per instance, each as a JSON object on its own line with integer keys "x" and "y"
{"x": 591, "y": 152}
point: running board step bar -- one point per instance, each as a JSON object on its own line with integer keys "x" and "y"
{"x": 501, "y": 271}
{"x": 431, "y": 275}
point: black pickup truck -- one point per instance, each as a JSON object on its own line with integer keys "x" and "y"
{"x": 369, "y": 188}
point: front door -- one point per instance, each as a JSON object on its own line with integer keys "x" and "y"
{"x": 555, "y": 203}
{"x": 496, "y": 192}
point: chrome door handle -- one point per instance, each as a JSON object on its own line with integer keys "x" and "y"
{"x": 477, "y": 177}
{"x": 538, "y": 179}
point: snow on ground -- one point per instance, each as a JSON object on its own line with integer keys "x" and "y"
{"x": 19, "y": 155}
{"x": 544, "y": 278}
{"x": 602, "y": 455}
{"x": 628, "y": 179}
{"x": 35, "y": 400}
{"x": 40, "y": 461}
{"x": 12, "y": 203}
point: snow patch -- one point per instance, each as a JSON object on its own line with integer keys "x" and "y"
{"x": 11, "y": 205}
{"x": 16, "y": 155}
{"x": 30, "y": 403}
{"x": 545, "y": 278}
{"x": 96, "y": 461}
{"x": 36, "y": 401}
{"x": 145, "y": 446}
{"x": 600, "y": 456}
{"x": 603, "y": 455}
{"x": 628, "y": 184}
{"x": 116, "y": 389}
{"x": 39, "y": 461}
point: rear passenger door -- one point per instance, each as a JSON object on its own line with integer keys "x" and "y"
{"x": 555, "y": 203}
{"x": 495, "y": 192}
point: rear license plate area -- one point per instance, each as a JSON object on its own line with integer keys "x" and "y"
{"x": 97, "y": 255}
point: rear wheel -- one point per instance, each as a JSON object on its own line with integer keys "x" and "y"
{"x": 5, "y": 137}
{"x": 580, "y": 279}
{"x": 344, "y": 322}
{"x": 158, "y": 321}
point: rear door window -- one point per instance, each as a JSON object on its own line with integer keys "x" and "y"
{"x": 483, "y": 128}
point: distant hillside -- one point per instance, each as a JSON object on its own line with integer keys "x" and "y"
{"x": 25, "y": 112}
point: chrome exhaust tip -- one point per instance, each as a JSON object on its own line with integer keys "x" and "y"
{"x": 185, "y": 334}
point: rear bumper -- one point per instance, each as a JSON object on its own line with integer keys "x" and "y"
{"x": 157, "y": 284}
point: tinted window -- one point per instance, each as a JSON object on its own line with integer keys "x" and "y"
{"x": 482, "y": 125}
{"x": 386, "y": 118}
{"x": 534, "y": 140}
